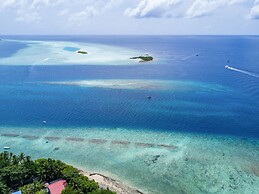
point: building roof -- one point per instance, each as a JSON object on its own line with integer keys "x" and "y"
{"x": 57, "y": 187}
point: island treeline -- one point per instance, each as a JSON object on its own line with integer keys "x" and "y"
{"x": 20, "y": 172}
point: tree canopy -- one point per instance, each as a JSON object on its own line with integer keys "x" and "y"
{"x": 21, "y": 172}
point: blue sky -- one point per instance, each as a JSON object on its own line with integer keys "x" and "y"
{"x": 119, "y": 17}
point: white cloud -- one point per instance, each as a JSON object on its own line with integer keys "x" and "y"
{"x": 77, "y": 13}
{"x": 202, "y": 8}
{"x": 28, "y": 4}
{"x": 28, "y": 17}
{"x": 6, "y": 4}
{"x": 153, "y": 8}
{"x": 232, "y": 2}
{"x": 111, "y": 3}
{"x": 63, "y": 12}
{"x": 254, "y": 12}
{"x": 30, "y": 11}
{"x": 80, "y": 18}
{"x": 25, "y": 10}
{"x": 169, "y": 8}
{"x": 39, "y": 3}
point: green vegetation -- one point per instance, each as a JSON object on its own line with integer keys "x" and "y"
{"x": 82, "y": 52}
{"x": 143, "y": 58}
{"x": 4, "y": 188}
{"x": 21, "y": 172}
{"x": 36, "y": 187}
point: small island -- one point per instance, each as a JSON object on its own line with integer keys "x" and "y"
{"x": 144, "y": 58}
{"x": 82, "y": 52}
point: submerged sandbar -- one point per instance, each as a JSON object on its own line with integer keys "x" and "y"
{"x": 129, "y": 84}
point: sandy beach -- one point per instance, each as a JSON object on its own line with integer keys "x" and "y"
{"x": 108, "y": 182}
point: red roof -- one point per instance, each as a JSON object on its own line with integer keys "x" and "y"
{"x": 57, "y": 187}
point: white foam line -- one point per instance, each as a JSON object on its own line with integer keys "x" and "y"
{"x": 242, "y": 71}
{"x": 41, "y": 61}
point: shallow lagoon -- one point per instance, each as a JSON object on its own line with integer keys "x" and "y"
{"x": 62, "y": 53}
{"x": 71, "y": 49}
{"x": 175, "y": 162}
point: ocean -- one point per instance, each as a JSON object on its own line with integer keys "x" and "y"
{"x": 197, "y": 133}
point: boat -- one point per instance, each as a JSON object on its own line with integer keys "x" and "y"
{"x": 7, "y": 148}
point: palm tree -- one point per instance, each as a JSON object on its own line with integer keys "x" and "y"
{"x": 15, "y": 160}
{"x": 22, "y": 157}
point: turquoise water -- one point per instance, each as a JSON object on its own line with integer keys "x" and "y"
{"x": 198, "y": 133}
{"x": 154, "y": 162}
{"x": 71, "y": 49}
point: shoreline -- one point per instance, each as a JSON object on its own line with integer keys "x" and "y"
{"x": 108, "y": 182}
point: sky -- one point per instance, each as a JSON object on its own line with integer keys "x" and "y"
{"x": 129, "y": 17}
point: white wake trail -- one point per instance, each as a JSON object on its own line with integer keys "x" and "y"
{"x": 190, "y": 56}
{"x": 46, "y": 59}
{"x": 242, "y": 71}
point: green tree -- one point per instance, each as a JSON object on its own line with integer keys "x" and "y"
{"x": 71, "y": 190}
{"x": 103, "y": 191}
{"x": 83, "y": 184}
{"x": 15, "y": 170}
{"x": 49, "y": 169}
{"x": 32, "y": 188}
{"x": 4, "y": 159}
{"x": 69, "y": 173}
{"x": 4, "y": 189}
{"x": 43, "y": 191}
{"x": 19, "y": 171}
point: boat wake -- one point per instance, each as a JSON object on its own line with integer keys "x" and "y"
{"x": 46, "y": 59}
{"x": 190, "y": 56}
{"x": 242, "y": 71}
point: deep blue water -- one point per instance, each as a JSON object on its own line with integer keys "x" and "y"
{"x": 8, "y": 48}
{"x": 25, "y": 101}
